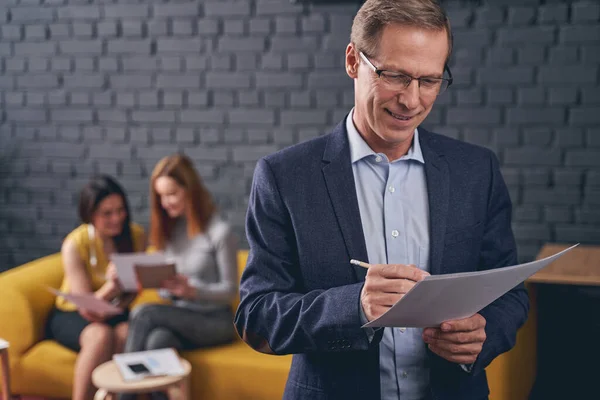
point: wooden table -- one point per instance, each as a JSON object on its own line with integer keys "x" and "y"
{"x": 109, "y": 381}
{"x": 6, "y": 395}
{"x": 580, "y": 266}
{"x": 567, "y": 294}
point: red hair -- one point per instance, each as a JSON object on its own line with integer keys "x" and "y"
{"x": 200, "y": 206}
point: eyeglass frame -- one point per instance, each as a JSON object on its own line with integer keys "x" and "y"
{"x": 378, "y": 71}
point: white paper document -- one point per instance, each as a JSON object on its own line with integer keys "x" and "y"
{"x": 440, "y": 298}
{"x": 141, "y": 364}
{"x": 89, "y": 302}
{"x": 125, "y": 266}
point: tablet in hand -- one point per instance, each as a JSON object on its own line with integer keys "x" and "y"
{"x": 151, "y": 276}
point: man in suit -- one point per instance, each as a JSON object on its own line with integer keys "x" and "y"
{"x": 381, "y": 189}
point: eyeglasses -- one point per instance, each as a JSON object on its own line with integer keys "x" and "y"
{"x": 394, "y": 80}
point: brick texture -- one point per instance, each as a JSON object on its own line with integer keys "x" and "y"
{"x": 112, "y": 86}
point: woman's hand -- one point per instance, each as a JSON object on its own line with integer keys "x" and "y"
{"x": 111, "y": 273}
{"x": 92, "y": 316}
{"x": 179, "y": 286}
{"x": 111, "y": 287}
{"x": 112, "y": 284}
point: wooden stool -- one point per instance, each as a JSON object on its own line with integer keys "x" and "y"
{"x": 6, "y": 395}
{"x": 108, "y": 380}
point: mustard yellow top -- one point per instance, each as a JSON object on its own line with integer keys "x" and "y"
{"x": 81, "y": 238}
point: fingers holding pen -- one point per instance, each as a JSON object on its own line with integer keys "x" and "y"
{"x": 385, "y": 284}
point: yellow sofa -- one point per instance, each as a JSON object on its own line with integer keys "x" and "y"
{"x": 230, "y": 372}
{"x": 42, "y": 367}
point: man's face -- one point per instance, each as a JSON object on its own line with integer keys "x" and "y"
{"x": 387, "y": 117}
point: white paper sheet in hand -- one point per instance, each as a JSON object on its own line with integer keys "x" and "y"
{"x": 89, "y": 302}
{"x": 440, "y": 298}
{"x": 125, "y": 262}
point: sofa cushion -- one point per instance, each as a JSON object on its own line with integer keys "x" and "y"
{"x": 232, "y": 371}
{"x": 235, "y": 371}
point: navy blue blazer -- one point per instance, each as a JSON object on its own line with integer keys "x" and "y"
{"x": 300, "y": 294}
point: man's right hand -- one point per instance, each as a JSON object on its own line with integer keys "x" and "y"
{"x": 385, "y": 284}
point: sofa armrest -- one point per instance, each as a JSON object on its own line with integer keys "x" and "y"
{"x": 18, "y": 325}
{"x": 27, "y": 302}
{"x": 242, "y": 259}
{"x": 511, "y": 375}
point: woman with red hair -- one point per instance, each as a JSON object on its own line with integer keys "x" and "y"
{"x": 185, "y": 225}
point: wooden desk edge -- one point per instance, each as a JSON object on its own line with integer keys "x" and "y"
{"x": 563, "y": 280}
{"x": 549, "y": 249}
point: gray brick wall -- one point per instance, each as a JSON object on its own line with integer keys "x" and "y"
{"x": 112, "y": 86}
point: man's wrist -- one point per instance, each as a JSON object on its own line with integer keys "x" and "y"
{"x": 363, "y": 320}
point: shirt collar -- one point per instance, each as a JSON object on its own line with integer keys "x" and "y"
{"x": 359, "y": 149}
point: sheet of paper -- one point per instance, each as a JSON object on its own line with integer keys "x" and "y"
{"x": 440, "y": 298}
{"x": 89, "y": 302}
{"x": 157, "y": 362}
{"x": 125, "y": 270}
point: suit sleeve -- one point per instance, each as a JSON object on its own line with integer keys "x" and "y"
{"x": 508, "y": 313}
{"x": 275, "y": 314}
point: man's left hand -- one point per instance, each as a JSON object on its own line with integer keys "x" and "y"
{"x": 459, "y": 341}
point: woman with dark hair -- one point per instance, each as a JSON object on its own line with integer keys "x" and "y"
{"x": 185, "y": 225}
{"x": 106, "y": 228}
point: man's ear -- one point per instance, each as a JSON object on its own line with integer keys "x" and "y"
{"x": 352, "y": 61}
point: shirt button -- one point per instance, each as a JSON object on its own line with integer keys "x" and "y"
{"x": 402, "y": 330}
{"x": 404, "y": 374}
{"x": 378, "y": 158}
{"x": 391, "y": 189}
{"x": 395, "y": 233}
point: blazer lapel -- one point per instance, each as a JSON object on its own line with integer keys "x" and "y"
{"x": 339, "y": 180}
{"x": 438, "y": 182}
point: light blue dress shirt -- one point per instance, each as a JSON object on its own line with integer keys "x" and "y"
{"x": 394, "y": 211}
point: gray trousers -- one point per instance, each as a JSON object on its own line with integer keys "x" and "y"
{"x": 160, "y": 326}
